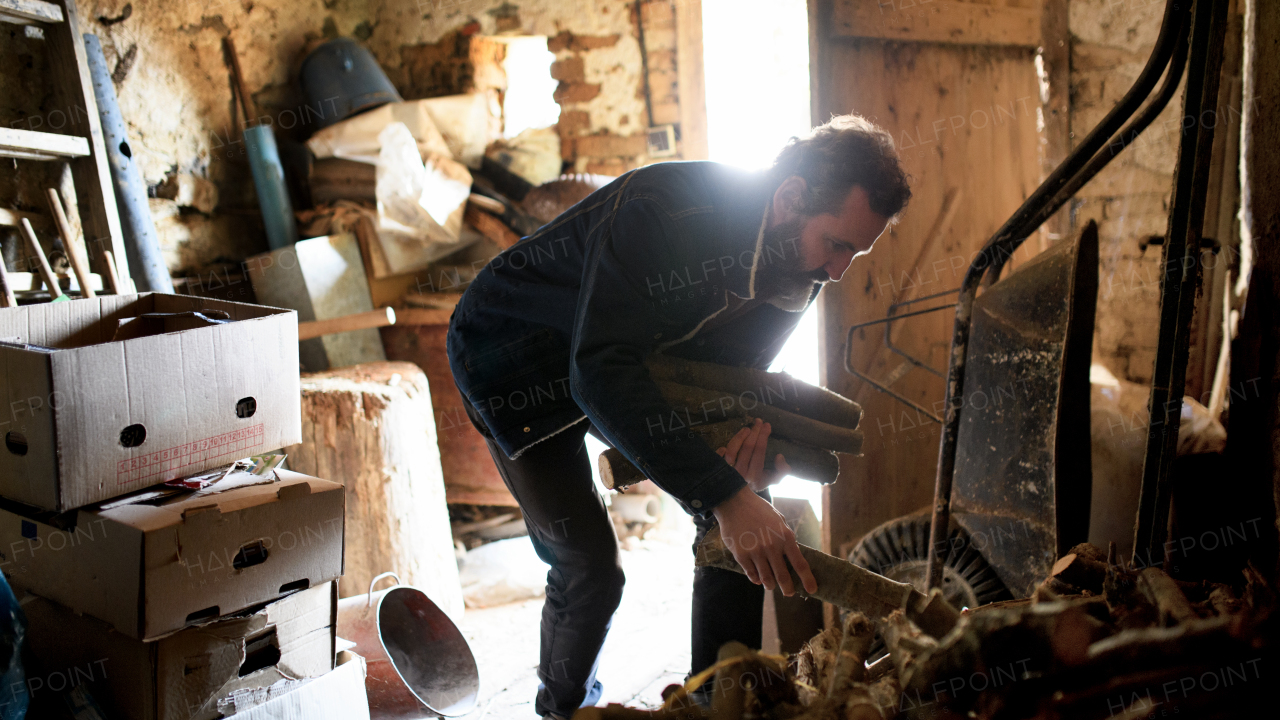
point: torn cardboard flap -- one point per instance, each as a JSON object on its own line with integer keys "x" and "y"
{"x": 192, "y": 673}
{"x": 151, "y": 569}
{"x": 339, "y": 695}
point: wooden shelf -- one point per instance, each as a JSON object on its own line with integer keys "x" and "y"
{"x": 31, "y": 145}
{"x": 24, "y": 12}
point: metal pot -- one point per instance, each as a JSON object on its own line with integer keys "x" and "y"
{"x": 341, "y": 78}
{"x": 419, "y": 664}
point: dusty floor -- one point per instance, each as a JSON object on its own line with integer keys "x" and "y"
{"x": 647, "y": 648}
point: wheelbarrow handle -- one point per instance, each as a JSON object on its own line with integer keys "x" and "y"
{"x": 374, "y": 581}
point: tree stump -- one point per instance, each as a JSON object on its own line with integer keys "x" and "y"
{"x": 370, "y": 428}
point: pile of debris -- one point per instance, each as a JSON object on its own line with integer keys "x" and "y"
{"x": 1098, "y": 639}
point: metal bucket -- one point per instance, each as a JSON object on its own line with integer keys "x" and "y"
{"x": 419, "y": 664}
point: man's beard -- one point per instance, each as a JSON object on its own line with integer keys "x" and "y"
{"x": 781, "y": 279}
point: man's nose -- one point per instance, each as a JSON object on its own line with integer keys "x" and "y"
{"x": 837, "y": 267}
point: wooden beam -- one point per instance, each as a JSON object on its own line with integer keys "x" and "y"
{"x": 22, "y": 12}
{"x": 692, "y": 82}
{"x": 52, "y": 146}
{"x": 13, "y": 218}
{"x": 73, "y": 92}
{"x": 1055, "y": 35}
{"x": 939, "y": 21}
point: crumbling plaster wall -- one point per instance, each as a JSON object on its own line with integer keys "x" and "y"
{"x": 1111, "y": 42}
{"x": 175, "y": 88}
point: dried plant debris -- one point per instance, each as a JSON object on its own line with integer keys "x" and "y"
{"x": 1139, "y": 644}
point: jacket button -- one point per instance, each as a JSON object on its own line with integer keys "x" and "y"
{"x": 526, "y": 429}
{"x": 696, "y": 503}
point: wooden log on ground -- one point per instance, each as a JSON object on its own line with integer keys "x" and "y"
{"x": 1162, "y": 591}
{"x": 848, "y": 586}
{"x": 705, "y": 405}
{"x": 855, "y": 644}
{"x": 1082, "y": 572}
{"x": 370, "y": 428}
{"x": 777, "y": 389}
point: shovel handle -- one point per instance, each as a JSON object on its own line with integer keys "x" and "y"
{"x": 375, "y": 582}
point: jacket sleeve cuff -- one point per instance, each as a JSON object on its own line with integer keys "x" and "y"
{"x": 702, "y": 498}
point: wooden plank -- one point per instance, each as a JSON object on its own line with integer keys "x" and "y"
{"x": 22, "y": 12}
{"x": 983, "y": 126}
{"x": 69, "y": 73}
{"x": 14, "y": 218}
{"x": 692, "y": 82}
{"x": 937, "y": 21}
{"x": 53, "y": 145}
{"x": 1056, "y": 56}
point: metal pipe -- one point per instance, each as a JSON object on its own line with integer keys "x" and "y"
{"x": 1181, "y": 277}
{"x": 141, "y": 245}
{"x": 1005, "y": 241}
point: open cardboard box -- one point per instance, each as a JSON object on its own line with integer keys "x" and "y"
{"x": 194, "y": 673}
{"x": 86, "y": 418}
{"x": 154, "y": 566}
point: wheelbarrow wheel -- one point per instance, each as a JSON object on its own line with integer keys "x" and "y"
{"x": 899, "y": 550}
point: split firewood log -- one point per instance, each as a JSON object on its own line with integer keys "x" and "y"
{"x": 806, "y": 462}
{"x": 855, "y": 643}
{"x": 848, "y": 586}
{"x": 1172, "y": 606}
{"x": 1080, "y": 571}
{"x": 702, "y": 405}
{"x": 779, "y": 389}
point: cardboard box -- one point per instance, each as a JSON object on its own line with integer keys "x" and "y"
{"x": 86, "y": 418}
{"x": 340, "y": 695}
{"x": 189, "y": 674}
{"x": 152, "y": 567}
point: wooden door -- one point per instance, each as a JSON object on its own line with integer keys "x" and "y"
{"x": 957, "y": 85}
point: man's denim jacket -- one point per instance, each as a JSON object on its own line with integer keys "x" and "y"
{"x": 557, "y": 327}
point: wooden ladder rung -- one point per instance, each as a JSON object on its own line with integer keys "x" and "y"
{"x": 31, "y": 145}
{"x": 23, "y": 12}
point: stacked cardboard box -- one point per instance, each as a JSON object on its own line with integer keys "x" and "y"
{"x": 153, "y": 596}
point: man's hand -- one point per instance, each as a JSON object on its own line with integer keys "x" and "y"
{"x": 746, "y": 453}
{"x": 761, "y": 542}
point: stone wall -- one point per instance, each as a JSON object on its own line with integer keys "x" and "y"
{"x": 1111, "y": 42}
{"x": 175, "y": 89}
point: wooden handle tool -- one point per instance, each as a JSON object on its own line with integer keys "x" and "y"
{"x": 113, "y": 279}
{"x": 359, "y": 321}
{"x": 9, "y": 299}
{"x": 75, "y": 252}
{"x": 46, "y": 272}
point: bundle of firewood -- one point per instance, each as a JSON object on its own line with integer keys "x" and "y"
{"x": 1125, "y": 642}
{"x": 713, "y": 402}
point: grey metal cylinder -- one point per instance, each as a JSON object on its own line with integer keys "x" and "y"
{"x": 142, "y": 247}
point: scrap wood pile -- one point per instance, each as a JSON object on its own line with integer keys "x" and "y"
{"x": 810, "y": 424}
{"x": 1125, "y": 642}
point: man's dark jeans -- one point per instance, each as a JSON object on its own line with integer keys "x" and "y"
{"x": 571, "y": 531}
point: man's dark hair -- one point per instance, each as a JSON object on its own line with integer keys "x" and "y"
{"x": 832, "y": 158}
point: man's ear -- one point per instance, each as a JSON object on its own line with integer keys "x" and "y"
{"x": 789, "y": 200}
